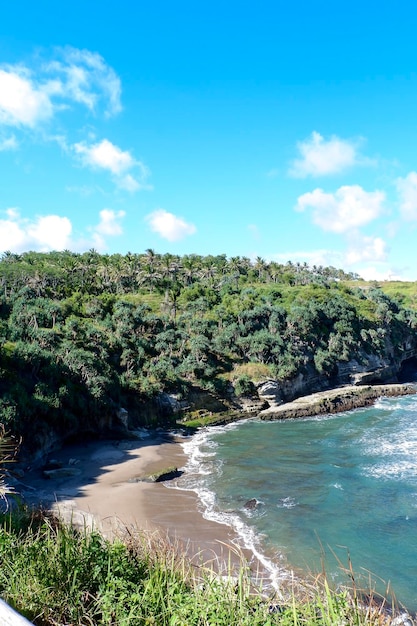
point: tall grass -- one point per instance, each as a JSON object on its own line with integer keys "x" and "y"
{"x": 8, "y": 449}
{"x": 56, "y": 576}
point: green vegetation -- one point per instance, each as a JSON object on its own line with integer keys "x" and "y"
{"x": 55, "y": 576}
{"x": 82, "y": 335}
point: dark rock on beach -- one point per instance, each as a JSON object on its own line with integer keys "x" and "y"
{"x": 169, "y": 473}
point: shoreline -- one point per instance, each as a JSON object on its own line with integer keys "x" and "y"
{"x": 103, "y": 491}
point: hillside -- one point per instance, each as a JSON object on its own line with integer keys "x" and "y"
{"x": 83, "y": 336}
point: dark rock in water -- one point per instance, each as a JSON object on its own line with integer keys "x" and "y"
{"x": 251, "y": 504}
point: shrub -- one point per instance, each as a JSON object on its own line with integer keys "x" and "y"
{"x": 244, "y": 386}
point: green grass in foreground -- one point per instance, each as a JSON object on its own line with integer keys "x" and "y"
{"x": 56, "y": 576}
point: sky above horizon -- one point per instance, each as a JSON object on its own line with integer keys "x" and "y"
{"x": 285, "y": 131}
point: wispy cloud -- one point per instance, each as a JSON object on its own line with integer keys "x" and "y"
{"x": 407, "y": 191}
{"x": 169, "y": 226}
{"x": 272, "y": 173}
{"x": 254, "y": 231}
{"x": 348, "y": 208}
{"x": 32, "y": 95}
{"x": 321, "y": 157}
{"x": 83, "y": 76}
{"x": 8, "y": 143}
{"x": 127, "y": 172}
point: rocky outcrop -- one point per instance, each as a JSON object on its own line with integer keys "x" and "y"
{"x": 335, "y": 401}
{"x": 171, "y": 403}
{"x": 270, "y": 391}
{"x": 123, "y": 417}
{"x": 368, "y": 369}
{"x": 252, "y": 404}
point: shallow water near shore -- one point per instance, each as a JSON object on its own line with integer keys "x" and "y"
{"x": 328, "y": 489}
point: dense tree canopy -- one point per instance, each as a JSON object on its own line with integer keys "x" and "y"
{"x": 83, "y": 334}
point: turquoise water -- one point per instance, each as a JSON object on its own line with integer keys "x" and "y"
{"x": 331, "y": 487}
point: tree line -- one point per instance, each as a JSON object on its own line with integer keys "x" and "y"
{"x": 82, "y": 335}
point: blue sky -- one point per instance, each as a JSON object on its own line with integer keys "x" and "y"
{"x": 254, "y": 129}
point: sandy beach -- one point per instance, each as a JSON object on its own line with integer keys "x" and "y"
{"x": 103, "y": 491}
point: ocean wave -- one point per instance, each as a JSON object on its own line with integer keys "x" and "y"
{"x": 401, "y": 443}
{"x": 400, "y": 470}
{"x": 247, "y": 537}
{"x": 287, "y": 503}
{"x": 197, "y": 470}
{"x": 404, "y": 403}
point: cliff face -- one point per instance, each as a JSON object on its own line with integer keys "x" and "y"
{"x": 396, "y": 366}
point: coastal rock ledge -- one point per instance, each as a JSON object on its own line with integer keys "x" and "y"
{"x": 335, "y": 401}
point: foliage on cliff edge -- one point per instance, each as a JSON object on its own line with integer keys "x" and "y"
{"x": 82, "y": 335}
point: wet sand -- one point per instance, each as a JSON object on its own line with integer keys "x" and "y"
{"x": 105, "y": 494}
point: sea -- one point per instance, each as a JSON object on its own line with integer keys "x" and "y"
{"x": 334, "y": 493}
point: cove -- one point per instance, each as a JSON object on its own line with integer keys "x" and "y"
{"x": 329, "y": 489}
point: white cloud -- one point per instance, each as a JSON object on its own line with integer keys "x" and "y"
{"x": 45, "y": 233}
{"x": 320, "y": 157}
{"x": 108, "y": 226}
{"x": 366, "y": 249}
{"x": 50, "y": 232}
{"x": 311, "y": 257}
{"x": 169, "y": 226}
{"x": 110, "y": 222}
{"x": 407, "y": 191}
{"x": 380, "y": 274}
{"x": 22, "y": 102}
{"x": 107, "y": 156}
{"x": 346, "y": 209}
{"x": 53, "y": 232}
{"x": 8, "y": 143}
{"x": 30, "y": 96}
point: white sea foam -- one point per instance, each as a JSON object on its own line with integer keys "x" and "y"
{"x": 401, "y": 470}
{"x": 287, "y": 503}
{"x": 394, "y": 451}
{"x": 199, "y": 465}
{"x": 405, "y": 403}
{"x": 387, "y": 404}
